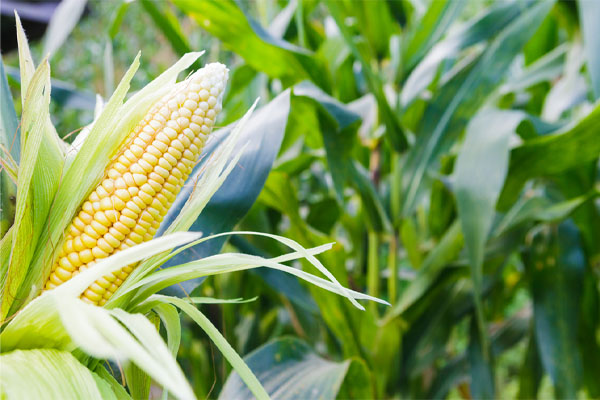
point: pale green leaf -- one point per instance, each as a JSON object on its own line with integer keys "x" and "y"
{"x": 63, "y": 21}
{"x": 38, "y": 323}
{"x": 45, "y": 374}
{"x": 34, "y": 117}
{"x": 123, "y": 337}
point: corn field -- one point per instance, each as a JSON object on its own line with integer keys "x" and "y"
{"x": 303, "y": 199}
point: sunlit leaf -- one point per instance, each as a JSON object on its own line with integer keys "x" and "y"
{"x": 50, "y": 374}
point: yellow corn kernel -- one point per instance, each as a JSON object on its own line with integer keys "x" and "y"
{"x": 141, "y": 182}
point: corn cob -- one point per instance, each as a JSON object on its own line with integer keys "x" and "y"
{"x": 141, "y": 182}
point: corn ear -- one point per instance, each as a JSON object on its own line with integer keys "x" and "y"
{"x": 142, "y": 181}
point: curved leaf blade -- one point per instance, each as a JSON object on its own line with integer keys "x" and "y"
{"x": 48, "y": 374}
{"x": 240, "y": 33}
{"x": 289, "y": 369}
{"x": 462, "y": 96}
{"x": 475, "y": 31}
{"x": 551, "y": 154}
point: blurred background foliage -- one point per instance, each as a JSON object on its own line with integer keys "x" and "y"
{"x": 449, "y": 148}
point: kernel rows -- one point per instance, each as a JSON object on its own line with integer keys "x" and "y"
{"x": 141, "y": 183}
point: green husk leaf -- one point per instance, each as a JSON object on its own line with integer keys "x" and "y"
{"x": 124, "y": 337}
{"x": 118, "y": 390}
{"x": 46, "y": 374}
{"x": 37, "y": 324}
{"x": 34, "y": 116}
{"x": 49, "y": 164}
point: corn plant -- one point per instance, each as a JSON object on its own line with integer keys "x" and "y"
{"x": 80, "y": 256}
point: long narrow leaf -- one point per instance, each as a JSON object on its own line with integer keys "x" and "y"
{"x": 439, "y": 131}
{"x": 228, "y": 352}
{"x": 34, "y": 118}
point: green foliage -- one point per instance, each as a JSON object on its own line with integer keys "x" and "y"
{"x": 289, "y": 369}
{"x": 440, "y": 160}
{"x": 47, "y": 368}
{"x": 449, "y": 148}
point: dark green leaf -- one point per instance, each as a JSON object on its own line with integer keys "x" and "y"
{"x": 537, "y": 208}
{"x": 556, "y": 264}
{"x": 589, "y": 324}
{"x": 552, "y": 154}
{"x": 410, "y": 242}
{"x": 394, "y": 131}
{"x": 460, "y": 98}
{"x": 338, "y": 127}
{"x": 531, "y": 371}
{"x": 375, "y": 23}
{"x": 481, "y": 367}
{"x": 472, "y": 32}
{"x": 288, "y": 369}
{"x": 504, "y": 337}
{"x": 358, "y": 383}
{"x": 546, "y": 68}
{"x": 478, "y": 178}
{"x": 443, "y": 253}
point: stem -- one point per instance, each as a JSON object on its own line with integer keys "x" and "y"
{"x": 396, "y": 189}
{"x": 393, "y": 268}
{"x": 373, "y": 265}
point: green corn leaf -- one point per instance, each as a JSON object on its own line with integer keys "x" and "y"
{"x": 458, "y": 101}
{"x": 394, "y": 131}
{"x": 289, "y": 369}
{"x": 556, "y": 265}
{"x": 427, "y": 31}
{"x": 572, "y": 146}
{"x": 443, "y": 253}
{"x": 240, "y": 33}
{"x": 479, "y": 175}
{"x": 228, "y": 352}
{"x": 472, "y": 32}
